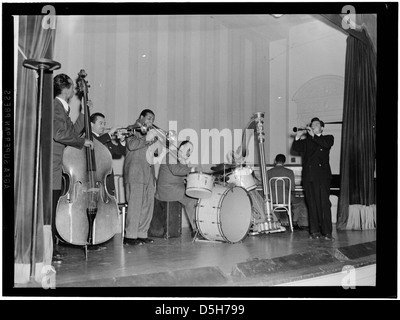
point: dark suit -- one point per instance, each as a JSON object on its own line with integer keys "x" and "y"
{"x": 171, "y": 186}
{"x": 316, "y": 179}
{"x": 117, "y": 151}
{"x": 281, "y": 171}
{"x": 65, "y": 133}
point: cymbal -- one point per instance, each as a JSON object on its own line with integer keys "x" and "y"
{"x": 223, "y": 166}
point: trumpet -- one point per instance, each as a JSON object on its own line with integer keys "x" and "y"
{"x": 128, "y": 131}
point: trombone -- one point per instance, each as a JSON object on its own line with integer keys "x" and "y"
{"x": 168, "y": 139}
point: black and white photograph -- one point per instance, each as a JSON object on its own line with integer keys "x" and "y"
{"x": 200, "y": 150}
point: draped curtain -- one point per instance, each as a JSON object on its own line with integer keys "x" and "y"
{"x": 34, "y": 42}
{"x": 357, "y": 208}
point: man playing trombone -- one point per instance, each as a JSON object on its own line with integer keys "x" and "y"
{"x": 139, "y": 180}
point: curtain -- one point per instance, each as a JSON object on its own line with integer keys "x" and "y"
{"x": 34, "y": 42}
{"x": 356, "y": 208}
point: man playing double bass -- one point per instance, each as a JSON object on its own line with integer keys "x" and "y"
{"x": 65, "y": 133}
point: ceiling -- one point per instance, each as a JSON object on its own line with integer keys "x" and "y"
{"x": 264, "y": 27}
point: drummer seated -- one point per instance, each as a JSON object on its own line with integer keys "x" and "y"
{"x": 171, "y": 180}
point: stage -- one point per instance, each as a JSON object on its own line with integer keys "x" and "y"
{"x": 275, "y": 259}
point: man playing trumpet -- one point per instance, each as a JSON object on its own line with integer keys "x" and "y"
{"x": 116, "y": 148}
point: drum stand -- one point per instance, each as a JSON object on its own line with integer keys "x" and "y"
{"x": 197, "y": 239}
{"x": 269, "y": 226}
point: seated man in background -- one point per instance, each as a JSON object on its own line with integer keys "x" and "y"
{"x": 279, "y": 170}
{"x": 171, "y": 181}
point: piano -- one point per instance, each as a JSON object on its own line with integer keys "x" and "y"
{"x": 296, "y": 168}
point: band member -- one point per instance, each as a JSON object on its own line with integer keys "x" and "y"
{"x": 316, "y": 176}
{"x": 171, "y": 180}
{"x": 139, "y": 179}
{"x": 115, "y": 146}
{"x": 65, "y": 133}
{"x": 279, "y": 170}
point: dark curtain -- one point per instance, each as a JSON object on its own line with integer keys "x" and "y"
{"x": 34, "y": 42}
{"x": 356, "y": 206}
{"x": 356, "y": 209}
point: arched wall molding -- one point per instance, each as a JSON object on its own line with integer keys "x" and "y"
{"x": 321, "y": 96}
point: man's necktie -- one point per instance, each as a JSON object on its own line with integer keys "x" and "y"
{"x": 69, "y": 110}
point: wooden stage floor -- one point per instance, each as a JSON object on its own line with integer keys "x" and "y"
{"x": 261, "y": 260}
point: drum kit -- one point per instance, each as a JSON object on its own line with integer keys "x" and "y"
{"x": 229, "y": 206}
{"x": 227, "y": 209}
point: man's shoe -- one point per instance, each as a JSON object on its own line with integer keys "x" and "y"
{"x": 132, "y": 242}
{"x": 146, "y": 240}
{"x": 328, "y": 237}
{"x": 314, "y": 236}
{"x": 57, "y": 255}
{"x": 56, "y": 260}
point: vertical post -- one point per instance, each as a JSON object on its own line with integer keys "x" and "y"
{"x": 259, "y": 120}
{"x": 39, "y": 65}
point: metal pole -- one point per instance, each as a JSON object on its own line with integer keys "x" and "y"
{"x": 39, "y": 65}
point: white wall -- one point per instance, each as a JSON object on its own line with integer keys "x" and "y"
{"x": 278, "y": 112}
{"x": 313, "y": 50}
{"x": 189, "y": 69}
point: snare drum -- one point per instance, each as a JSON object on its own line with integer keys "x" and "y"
{"x": 225, "y": 216}
{"x": 242, "y": 177}
{"x": 199, "y": 185}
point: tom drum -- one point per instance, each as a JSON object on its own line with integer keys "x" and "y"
{"x": 242, "y": 177}
{"x": 199, "y": 185}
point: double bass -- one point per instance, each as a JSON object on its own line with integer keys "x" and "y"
{"x": 86, "y": 214}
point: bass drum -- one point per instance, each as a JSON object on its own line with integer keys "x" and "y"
{"x": 225, "y": 216}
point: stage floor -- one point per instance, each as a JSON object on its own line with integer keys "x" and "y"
{"x": 262, "y": 260}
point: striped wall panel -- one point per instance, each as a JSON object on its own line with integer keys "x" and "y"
{"x": 190, "y": 69}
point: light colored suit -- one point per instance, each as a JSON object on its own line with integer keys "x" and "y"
{"x": 139, "y": 180}
{"x": 65, "y": 133}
